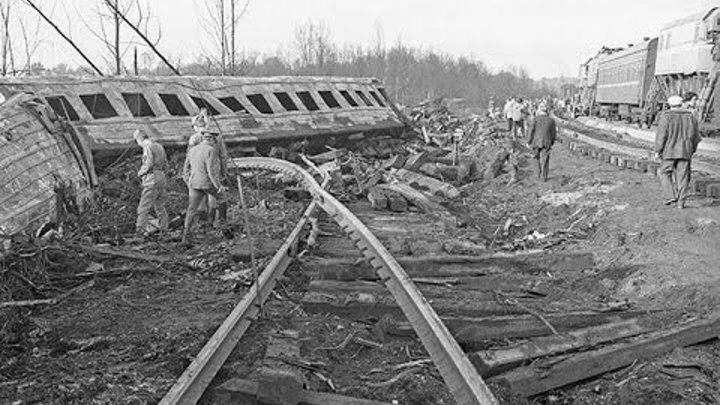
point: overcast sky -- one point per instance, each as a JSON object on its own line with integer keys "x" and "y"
{"x": 549, "y": 38}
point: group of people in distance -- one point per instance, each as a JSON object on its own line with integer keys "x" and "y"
{"x": 541, "y": 129}
{"x": 676, "y": 141}
{"x": 203, "y": 172}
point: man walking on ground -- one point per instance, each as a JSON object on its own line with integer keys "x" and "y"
{"x": 219, "y": 207}
{"x": 154, "y": 183}
{"x": 202, "y": 176}
{"x": 518, "y": 113}
{"x": 507, "y": 110}
{"x": 676, "y": 140}
{"x": 542, "y": 131}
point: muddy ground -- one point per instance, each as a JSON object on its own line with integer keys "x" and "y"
{"x": 125, "y": 337}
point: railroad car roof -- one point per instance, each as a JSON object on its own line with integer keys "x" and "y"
{"x": 207, "y": 82}
{"x": 639, "y": 47}
{"x": 696, "y": 17}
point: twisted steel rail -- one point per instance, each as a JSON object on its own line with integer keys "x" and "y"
{"x": 459, "y": 374}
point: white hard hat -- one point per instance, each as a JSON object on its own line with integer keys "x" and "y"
{"x": 675, "y": 101}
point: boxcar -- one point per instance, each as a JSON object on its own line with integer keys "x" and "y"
{"x": 624, "y": 78}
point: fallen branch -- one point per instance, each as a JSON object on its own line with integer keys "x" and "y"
{"x": 394, "y": 379}
{"x": 396, "y": 367}
{"x": 341, "y": 346}
{"x": 27, "y": 303}
{"x": 368, "y": 343}
{"x": 125, "y": 254}
{"x": 529, "y": 310}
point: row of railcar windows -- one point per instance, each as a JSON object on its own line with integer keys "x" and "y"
{"x": 100, "y": 107}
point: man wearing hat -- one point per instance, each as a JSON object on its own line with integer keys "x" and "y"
{"x": 542, "y": 131}
{"x": 154, "y": 183}
{"x": 213, "y": 205}
{"x": 202, "y": 176}
{"x": 676, "y": 140}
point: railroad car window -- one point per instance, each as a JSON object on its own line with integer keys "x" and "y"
{"x": 63, "y": 108}
{"x": 258, "y": 100}
{"x": 329, "y": 99}
{"x": 383, "y": 93}
{"x": 202, "y": 103}
{"x": 364, "y": 98}
{"x": 98, "y": 105}
{"x": 308, "y": 100}
{"x": 375, "y": 96}
{"x": 233, "y": 104}
{"x": 138, "y": 105}
{"x": 173, "y": 105}
{"x": 286, "y": 101}
{"x": 348, "y": 98}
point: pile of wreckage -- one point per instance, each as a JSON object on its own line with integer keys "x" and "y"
{"x": 414, "y": 172}
{"x": 442, "y": 153}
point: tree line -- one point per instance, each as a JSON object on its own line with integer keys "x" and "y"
{"x": 411, "y": 74}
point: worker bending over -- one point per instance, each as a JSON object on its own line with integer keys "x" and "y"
{"x": 154, "y": 184}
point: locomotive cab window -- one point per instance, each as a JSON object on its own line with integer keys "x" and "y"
{"x": 233, "y": 104}
{"x": 258, "y": 100}
{"x": 346, "y": 95}
{"x": 286, "y": 101}
{"x": 174, "y": 105}
{"x": 62, "y": 107}
{"x": 98, "y": 105}
{"x": 138, "y": 105}
{"x": 329, "y": 99}
{"x": 202, "y": 103}
{"x": 308, "y": 101}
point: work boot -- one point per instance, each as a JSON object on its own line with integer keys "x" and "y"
{"x": 186, "y": 240}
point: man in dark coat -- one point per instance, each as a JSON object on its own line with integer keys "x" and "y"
{"x": 542, "y": 132}
{"x": 676, "y": 140}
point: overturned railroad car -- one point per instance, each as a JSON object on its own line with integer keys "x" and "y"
{"x": 624, "y": 78}
{"x": 45, "y": 167}
{"x": 246, "y": 110}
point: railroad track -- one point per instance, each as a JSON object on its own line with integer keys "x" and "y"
{"x": 584, "y": 135}
{"x": 461, "y": 377}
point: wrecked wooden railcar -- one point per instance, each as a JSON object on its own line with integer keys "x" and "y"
{"x": 245, "y": 110}
{"x": 44, "y": 166}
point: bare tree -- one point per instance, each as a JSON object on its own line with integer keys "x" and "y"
{"x": 314, "y": 46}
{"x": 220, "y": 20}
{"x": 8, "y": 58}
{"x": 30, "y": 30}
{"x": 108, "y": 29}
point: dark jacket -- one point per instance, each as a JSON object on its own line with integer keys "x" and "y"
{"x": 678, "y": 134}
{"x": 543, "y": 132}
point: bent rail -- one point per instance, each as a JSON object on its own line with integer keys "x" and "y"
{"x": 459, "y": 374}
{"x": 636, "y": 152}
{"x": 192, "y": 383}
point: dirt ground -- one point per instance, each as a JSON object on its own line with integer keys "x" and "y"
{"x": 125, "y": 338}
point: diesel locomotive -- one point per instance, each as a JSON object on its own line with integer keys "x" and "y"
{"x": 633, "y": 83}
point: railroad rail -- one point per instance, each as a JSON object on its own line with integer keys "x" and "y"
{"x": 638, "y": 152}
{"x": 461, "y": 377}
